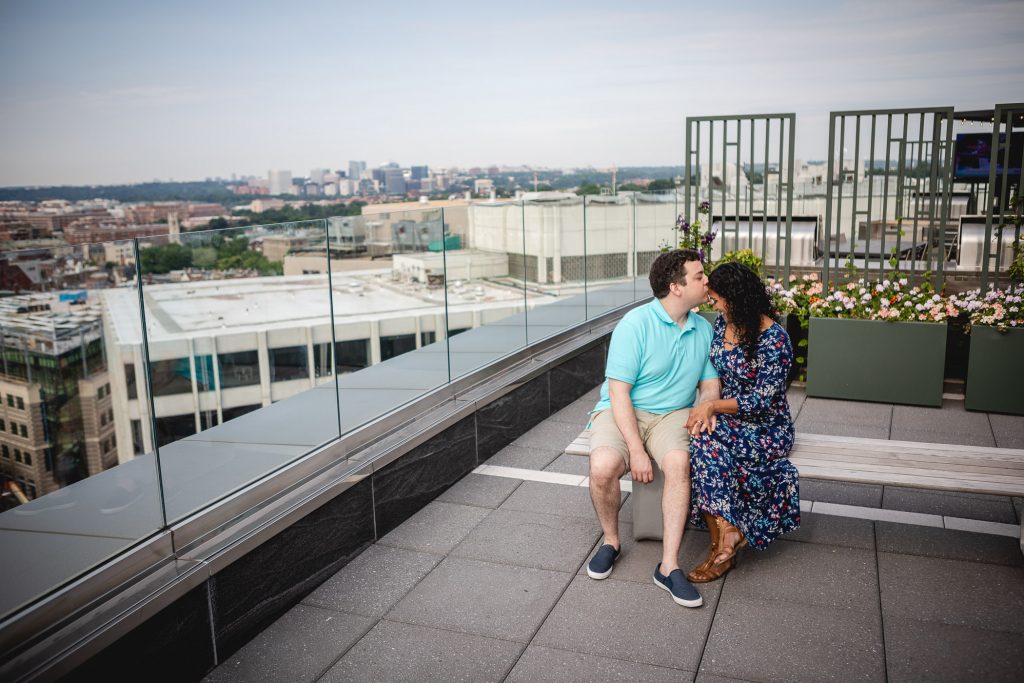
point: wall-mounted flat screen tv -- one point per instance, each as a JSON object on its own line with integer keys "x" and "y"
{"x": 973, "y": 155}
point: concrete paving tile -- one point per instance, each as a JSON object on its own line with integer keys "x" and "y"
{"x": 844, "y": 493}
{"x": 845, "y": 418}
{"x": 930, "y": 435}
{"x": 578, "y": 412}
{"x": 832, "y": 530}
{"x": 761, "y": 640}
{"x": 436, "y": 529}
{"x": 548, "y": 665}
{"x": 549, "y": 434}
{"x": 531, "y": 458}
{"x": 296, "y": 647}
{"x": 882, "y": 515}
{"x": 554, "y": 499}
{"x": 929, "y": 651}
{"x": 941, "y": 425}
{"x": 480, "y": 490}
{"x": 402, "y": 652}
{"x": 494, "y": 600}
{"x": 373, "y": 582}
{"x": 806, "y": 573}
{"x": 796, "y": 397}
{"x": 977, "y": 526}
{"x": 530, "y": 539}
{"x": 626, "y": 620}
{"x": 970, "y": 506}
{"x": 639, "y": 558}
{"x": 906, "y": 539}
{"x": 570, "y": 464}
{"x": 710, "y": 678}
{"x": 1008, "y": 430}
{"x": 970, "y": 594}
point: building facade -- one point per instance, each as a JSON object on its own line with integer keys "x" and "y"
{"x": 56, "y": 409}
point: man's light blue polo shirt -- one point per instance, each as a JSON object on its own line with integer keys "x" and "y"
{"x": 661, "y": 360}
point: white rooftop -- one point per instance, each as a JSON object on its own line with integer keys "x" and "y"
{"x": 189, "y": 309}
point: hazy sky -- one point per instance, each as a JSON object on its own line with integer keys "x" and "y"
{"x": 98, "y": 91}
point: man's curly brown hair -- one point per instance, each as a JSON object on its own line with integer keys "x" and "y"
{"x": 670, "y": 267}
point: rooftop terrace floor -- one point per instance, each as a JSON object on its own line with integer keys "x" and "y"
{"x": 488, "y": 582}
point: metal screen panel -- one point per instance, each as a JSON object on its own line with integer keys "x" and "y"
{"x": 1003, "y": 209}
{"x": 888, "y": 205}
{"x": 743, "y": 166}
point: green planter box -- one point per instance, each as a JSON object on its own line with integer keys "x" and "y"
{"x": 995, "y": 371}
{"x": 876, "y": 360}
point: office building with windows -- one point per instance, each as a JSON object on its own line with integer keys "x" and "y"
{"x": 56, "y": 410}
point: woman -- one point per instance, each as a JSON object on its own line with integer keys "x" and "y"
{"x": 745, "y": 490}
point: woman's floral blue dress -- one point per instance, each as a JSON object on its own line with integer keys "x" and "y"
{"x": 741, "y": 471}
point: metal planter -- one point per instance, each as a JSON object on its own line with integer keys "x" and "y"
{"x": 995, "y": 371}
{"x": 876, "y": 360}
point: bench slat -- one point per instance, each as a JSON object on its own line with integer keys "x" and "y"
{"x": 978, "y": 469}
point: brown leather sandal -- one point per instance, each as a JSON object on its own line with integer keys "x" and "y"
{"x": 704, "y": 566}
{"x": 718, "y": 568}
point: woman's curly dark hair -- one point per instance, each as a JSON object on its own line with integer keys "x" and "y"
{"x": 746, "y": 300}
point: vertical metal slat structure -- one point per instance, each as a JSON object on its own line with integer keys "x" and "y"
{"x": 1000, "y": 212}
{"x": 916, "y": 214}
{"x": 703, "y": 182}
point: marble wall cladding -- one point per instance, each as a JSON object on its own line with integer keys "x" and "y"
{"x": 254, "y": 591}
{"x": 403, "y": 487}
{"x": 577, "y": 376}
{"x": 500, "y": 423}
{"x": 175, "y": 644}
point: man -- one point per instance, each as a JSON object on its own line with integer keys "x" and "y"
{"x": 657, "y": 356}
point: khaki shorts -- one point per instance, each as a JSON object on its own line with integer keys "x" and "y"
{"x": 660, "y": 433}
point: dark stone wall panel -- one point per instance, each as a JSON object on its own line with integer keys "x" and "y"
{"x": 252, "y": 593}
{"x": 175, "y": 644}
{"x": 403, "y": 487}
{"x": 500, "y": 423}
{"x": 577, "y": 376}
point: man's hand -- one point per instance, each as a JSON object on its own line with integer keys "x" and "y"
{"x": 640, "y": 466}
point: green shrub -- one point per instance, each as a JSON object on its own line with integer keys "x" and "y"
{"x": 745, "y": 256}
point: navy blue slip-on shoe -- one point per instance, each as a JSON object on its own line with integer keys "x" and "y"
{"x": 601, "y": 563}
{"x": 683, "y": 592}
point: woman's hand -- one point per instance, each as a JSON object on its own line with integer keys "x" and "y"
{"x": 702, "y": 418}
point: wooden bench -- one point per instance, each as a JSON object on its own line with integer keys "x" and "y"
{"x": 944, "y": 467}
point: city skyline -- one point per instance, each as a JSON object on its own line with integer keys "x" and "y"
{"x": 110, "y": 92}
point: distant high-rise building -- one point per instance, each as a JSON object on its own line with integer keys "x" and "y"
{"x": 419, "y": 172}
{"x": 317, "y": 175}
{"x": 280, "y": 182}
{"x": 394, "y": 181}
{"x": 355, "y": 169}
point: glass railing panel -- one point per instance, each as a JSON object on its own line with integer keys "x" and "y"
{"x": 387, "y": 288}
{"x": 610, "y": 252}
{"x": 235, "y": 320}
{"x": 554, "y": 268}
{"x": 490, "y": 282}
{"x": 77, "y": 485}
{"x": 656, "y": 214}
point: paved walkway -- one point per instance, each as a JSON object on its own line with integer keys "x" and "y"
{"x": 488, "y": 582}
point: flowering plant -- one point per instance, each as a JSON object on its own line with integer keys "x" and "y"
{"x": 889, "y": 299}
{"x": 796, "y": 299}
{"x": 1001, "y": 308}
{"x": 691, "y": 236}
